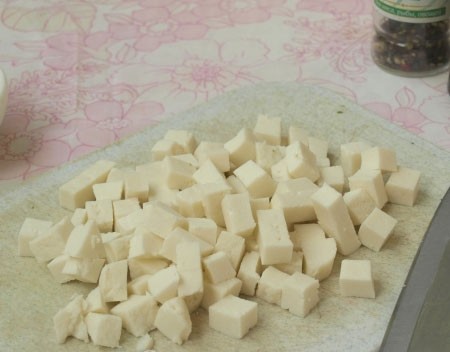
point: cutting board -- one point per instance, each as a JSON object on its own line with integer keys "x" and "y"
{"x": 29, "y": 297}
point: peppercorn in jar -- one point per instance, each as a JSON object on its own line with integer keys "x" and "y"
{"x": 411, "y": 36}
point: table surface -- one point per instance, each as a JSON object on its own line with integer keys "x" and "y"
{"x": 85, "y": 73}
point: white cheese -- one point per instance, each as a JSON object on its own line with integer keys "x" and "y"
{"x": 237, "y": 213}
{"x": 355, "y": 278}
{"x": 372, "y": 182}
{"x": 56, "y": 267}
{"x": 145, "y": 244}
{"x": 259, "y": 204}
{"x": 69, "y": 321}
{"x": 117, "y": 246}
{"x": 376, "y": 229}
{"x": 268, "y": 155}
{"x": 113, "y": 281}
{"x": 249, "y": 272}
{"x": 402, "y": 186}
{"x": 233, "y": 316}
{"x": 124, "y": 207}
{"x": 85, "y": 242}
{"x": 173, "y": 320}
{"x": 302, "y": 184}
{"x": 360, "y": 204}
{"x": 83, "y": 269}
{"x": 295, "y": 265}
{"x": 184, "y": 138}
{"x": 257, "y": 181}
{"x": 379, "y": 158}
{"x": 139, "y": 286}
{"x": 163, "y": 285}
{"x": 31, "y": 228}
{"x": 203, "y": 228}
{"x": 333, "y": 176}
{"x": 208, "y": 173}
{"x": 189, "y": 202}
{"x": 270, "y": 285}
{"x": 179, "y": 235}
{"x": 145, "y": 343}
{"x": 296, "y": 207}
{"x": 162, "y": 219}
{"x": 104, "y": 329}
{"x": 165, "y": 147}
{"x": 215, "y": 152}
{"x": 236, "y": 185}
{"x": 241, "y": 147}
{"x": 213, "y": 293}
{"x": 268, "y": 129}
{"x": 299, "y": 294}
{"x": 218, "y": 268}
{"x": 351, "y": 156}
{"x": 95, "y": 302}
{"x": 144, "y": 266}
{"x": 188, "y": 158}
{"x": 233, "y": 246}
{"x": 108, "y": 190}
{"x": 136, "y": 186}
{"x": 280, "y": 172}
{"x": 212, "y": 196}
{"x": 177, "y": 173}
{"x": 101, "y": 212}
{"x": 79, "y": 217}
{"x": 297, "y": 134}
{"x": 116, "y": 175}
{"x": 318, "y": 147}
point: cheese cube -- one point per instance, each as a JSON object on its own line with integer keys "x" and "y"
{"x": 351, "y": 156}
{"x": 51, "y": 243}
{"x": 318, "y": 252}
{"x": 237, "y": 214}
{"x": 173, "y": 320}
{"x": 355, "y": 279}
{"x": 31, "y": 229}
{"x": 117, "y": 247}
{"x": 139, "y": 286}
{"x": 236, "y": 185}
{"x": 301, "y": 162}
{"x": 360, "y": 204}
{"x": 138, "y": 314}
{"x": 104, "y": 329}
{"x": 333, "y": 176}
{"x": 402, "y": 186}
{"x": 144, "y": 266}
{"x": 177, "y": 236}
{"x": 189, "y": 267}
{"x": 268, "y": 155}
{"x": 334, "y": 218}
{"x": 145, "y": 344}
{"x": 296, "y": 207}
{"x": 249, "y": 272}
{"x": 68, "y": 321}
{"x": 259, "y": 204}
{"x": 279, "y": 171}
{"x": 115, "y": 175}
{"x": 161, "y": 219}
{"x": 165, "y": 147}
{"x": 79, "y": 217}
{"x": 205, "y": 229}
{"x": 189, "y": 202}
{"x": 95, "y": 302}
{"x": 108, "y": 190}
{"x": 257, "y": 181}
{"x": 300, "y": 293}
{"x": 215, "y": 152}
{"x": 163, "y": 285}
{"x": 213, "y": 293}
{"x": 295, "y": 265}
{"x": 318, "y": 147}
{"x": 270, "y": 285}
{"x": 184, "y": 138}
{"x": 376, "y": 229}
{"x": 113, "y": 281}
{"x": 218, "y": 268}
{"x": 101, "y": 212}
{"x": 212, "y": 196}
{"x": 84, "y": 269}
{"x": 233, "y": 316}
{"x": 85, "y": 242}
{"x": 302, "y": 184}
{"x": 178, "y": 173}
{"x": 136, "y": 186}
{"x": 241, "y": 147}
{"x": 274, "y": 243}
{"x": 233, "y": 246}
{"x": 56, "y": 267}
{"x": 268, "y": 129}
{"x": 297, "y": 134}
{"x": 378, "y": 158}
{"x": 208, "y": 173}
{"x": 124, "y": 207}
{"x": 372, "y": 182}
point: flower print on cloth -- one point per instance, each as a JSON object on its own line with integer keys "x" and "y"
{"x": 336, "y": 6}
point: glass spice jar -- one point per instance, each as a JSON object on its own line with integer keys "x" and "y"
{"x": 411, "y": 36}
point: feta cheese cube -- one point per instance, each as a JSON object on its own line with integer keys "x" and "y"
{"x": 184, "y": 138}
{"x": 144, "y": 266}
{"x": 203, "y": 228}
{"x": 113, "y": 281}
{"x": 79, "y": 217}
{"x": 215, "y": 152}
{"x": 56, "y": 267}
{"x": 318, "y": 147}
{"x": 69, "y": 321}
{"x": 297, "y": 134}
{"x": 165, "y": 147}
{"x": 299, "y": 294}
{"x": 351, "y": 156}
{"x": 218, "y": 268}
{"x": 95, "y": 302}
{"x": 212, "y": 196}
{"x": 162, "y": 219}
{"x": 208, "y": 173}
{"x": 379, "y": 158}
{"x": 84, "y": 242}
{"x": 104, "y": 329}
{"x": 116, "y": 245}
{"x": 124, "y": 207}
{"x": 101, "y": 212}
{"x": 355, "y": 278}
{"x": 268, "y": 155}
{"x": 259, "y": 204}
{"x": 189, "y": 202}
{"x": 249, "y": 272}
{"x": 233, "y": 246}
{"x": 376, "y": 229}
{"x": 83, "y": 269}
{"x": 136, "y": 186}
{"x": 268, "y": 129}
{"x": 360, "y": 204}
{"x": 108, "y": 190}
{"x": 402, "y": 186}
{"x": 139, "y": 286}
{"x": 31, "y": 228}
{"x": 178, "y": 173}
{"x": 236, "y": 185}
{"x": 213, "y": 293}
{"x": 241, "y": 147}
{"x": 163, "y": 285}
{"x": 144, "y": 244}
{"x": 296, "y": 207}
{"x": 333, "y": 176}
{"x": 257, "y": 181}
{"x": 270, "y": 285}
{"x": 301, "y": 162}
{"x": 237, "y": 214}
{"x": 145, "y": 344}
{"x": 295, "y": 265}
{"x": 372, "y": 182}
{"x": 173, "y": 320}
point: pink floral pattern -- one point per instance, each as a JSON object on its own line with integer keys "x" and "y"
{"x": 83, "y": 74}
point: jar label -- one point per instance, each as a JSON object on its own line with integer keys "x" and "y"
{"x": 414, "y": 11}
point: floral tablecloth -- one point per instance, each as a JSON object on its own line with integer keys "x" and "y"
{"x": 85, "y": 73}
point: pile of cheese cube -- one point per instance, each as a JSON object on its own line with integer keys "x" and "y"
{"x": 207, "y": 223}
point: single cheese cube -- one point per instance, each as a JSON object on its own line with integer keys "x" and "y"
{"x": 296, "y": 264}
{"x": 378, "y": 158}
{"x": 218, "y": 268}
{"x": 236, "y": 185}
{"x": 184, "y": 138}
{"x": 297, "y": 134}
{"x": 268, "y": 129}
{"x": 117, "y": 247}
{"x": 113, "y": 281}
{"x": 165, "y": 147}
{"x": 372, "y": 182}
{"x": 334, "y": 218}
{"x": 101, "y": 212}
{"x": 178, "y": 173}
{"x": 376, "y": 229}
{"x": 360, "y": 204}
{"x": 95, "y": 302}
{"x": 177, "y": 236}
{"x": 164, "y": 284}
{"x": 139, "y": 286}
{"x": 301, "y": 162}
{"x": 274, "y": 243}
{"x": 144, "y": 244}
{"x": 241, "y": 147}
{"x": 136, "y": 186}
{"x": 69, "y": 321}
{"x": 279, "y": 171}
{"x": 318, "y": 252}
{"x": 85, "y": 242}
{"x": 144, "y": 266}
{"x": 249, "y": 273}
{"x": 333, "y": 176}
{"x": 402, "y": 186}
{"x": 318, "y": 147}
{"x": 270, "y": 285}
{"x": 257, "y": 181}
{"x": 124, "y": 207}
{"x": 31, "y": 229}
{"x": 138, "y": 314}
{"x": 108, "y": 190}
{"x": 233, "y": 246}
{"x": 212, "y": 196}
{"x": 51, "y": 243}
{"x": 299, "y": 294}
{"x": 79, "y": 217}
{"x": 205, "y": 229}
{"x": 213, "y": 293}
{"x": 351, "y": 156}
{"x": 302, "y": 184}
{"x": 56, "y": 267}
{"x": 145, "y": 343}
{"x": 355, "y": 278}
{"x": 188, "y": 158}
{"x": 189, "y": 202}
{"x": 233, "y": 316}
{"x": 173, "y": 320}
{"x": 237, "y": 213}
{"x": 116, "y": 175}
{"x": 104, "y": 329}
{"x": 296, "y": 207}
{"x": 268, "y": 155}
{"x": 189, "y": 267}
{"x": 161, "y": 219}
{"x": 259, "y": 204}
{"x": 215, "y": 152}
{"x": 208, "y": 173}
{"x": 84, "y": 269}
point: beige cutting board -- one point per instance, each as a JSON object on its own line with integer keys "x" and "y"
{"x": 29, "y": 297}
